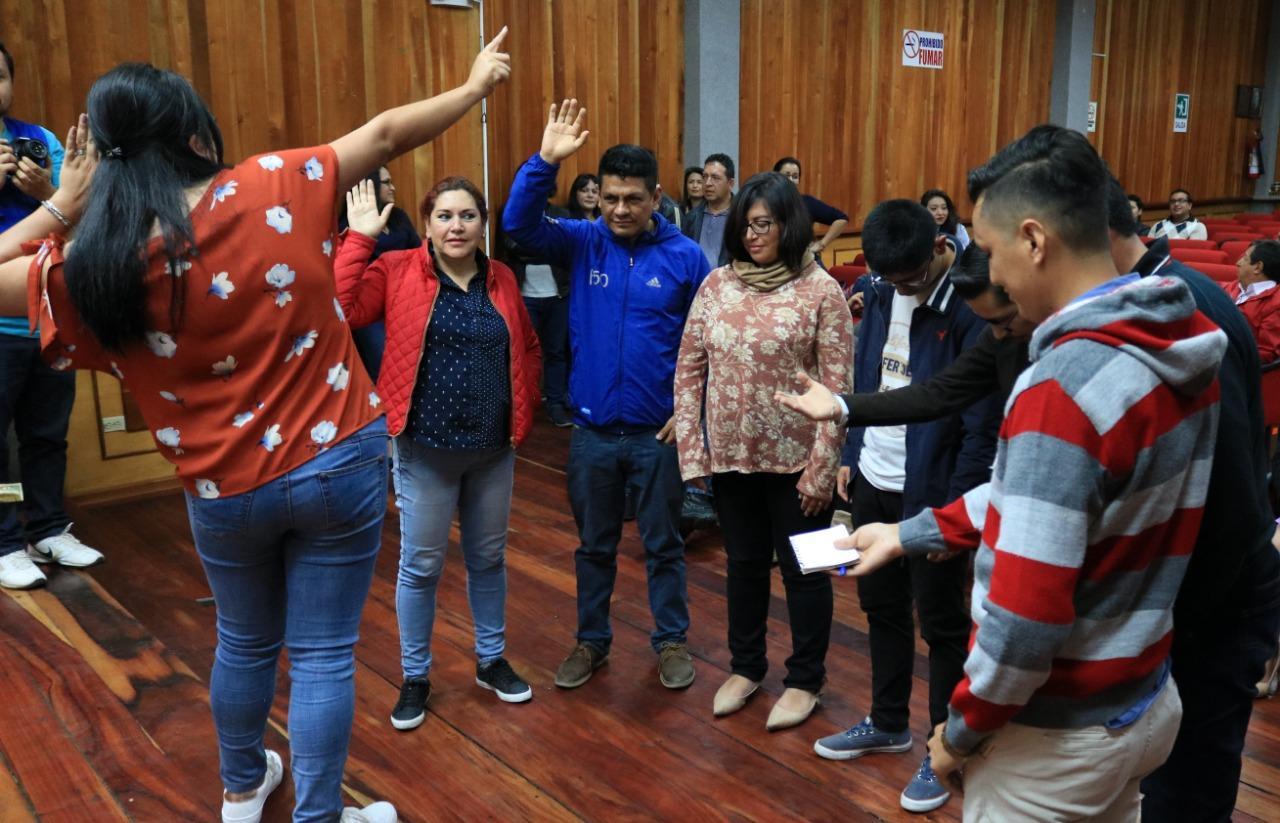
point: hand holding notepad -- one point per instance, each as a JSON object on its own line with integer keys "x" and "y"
{"x": 816, "y": 550}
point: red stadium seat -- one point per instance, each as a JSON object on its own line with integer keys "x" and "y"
{"x": 1199, "y": 255}
{"x": 846, "y": 276}
{"x": 1175, "y": 243}
{"x": 1255, "y": 217}
{"x": 1271, "y": 395}
{"x": 1268, "y": 229}
{"x": 1218, "y": 271}
{"x": 859, "y": 259}
{"x": 1227, "y": 237}
{"x": 1234, "y": 248}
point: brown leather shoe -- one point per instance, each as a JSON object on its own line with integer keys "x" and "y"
{"x": 578, "y": 667}
{"x": 675, "y": 666}
{"x": 792, "y": 709}
{"x": 733, "y": 695}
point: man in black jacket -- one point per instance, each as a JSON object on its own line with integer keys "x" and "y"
{"x": 705, "y": 224}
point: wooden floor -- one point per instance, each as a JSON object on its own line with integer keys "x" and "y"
{"x": 105, "y": 716}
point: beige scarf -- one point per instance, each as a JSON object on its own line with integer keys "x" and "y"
{"x": 766, "y": 279}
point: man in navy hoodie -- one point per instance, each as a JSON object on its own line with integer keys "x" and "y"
{"x": 633, "y": 277}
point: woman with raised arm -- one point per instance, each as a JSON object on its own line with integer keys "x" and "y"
{"x": 460, "y": 385}
{"x": 208, "y": 290}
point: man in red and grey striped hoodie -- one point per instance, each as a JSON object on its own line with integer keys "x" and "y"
{"x": 1084, "y": 532}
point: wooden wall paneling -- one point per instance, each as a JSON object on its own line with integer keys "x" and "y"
{"x": 1155, "y": 50}
{"x": 823, "y": 80}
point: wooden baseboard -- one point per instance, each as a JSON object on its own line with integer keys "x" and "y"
{"x": 136, "y": 491}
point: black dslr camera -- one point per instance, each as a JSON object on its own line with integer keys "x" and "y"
{"x": 31, "y": 148}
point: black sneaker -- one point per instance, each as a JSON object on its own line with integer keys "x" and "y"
{"x": 499, "y": 678}
{"x": 411, "y": 708}
{"x": 559, "y": 416}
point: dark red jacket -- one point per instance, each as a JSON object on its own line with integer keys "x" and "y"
{"x": 1263, "y": 313}
{"x": 400, "y": 287}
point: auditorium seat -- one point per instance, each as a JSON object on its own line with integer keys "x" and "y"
{"x": 1255, "y": 217}
{"x": 846, "y": 276}
{"x": 1218, "y": 271}
{"x": 1228, "y": 236}
{"x": 859, "y": 259}
{"x": 1268, "y": 229}
{"x": 1175, "y": 243}
{"x": 1234, "y": 248}
{"x": 1271, "y": 395}
{"x": 1198, "y": 255}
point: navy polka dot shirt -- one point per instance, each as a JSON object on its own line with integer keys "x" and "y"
{"x": 462, "y": 399}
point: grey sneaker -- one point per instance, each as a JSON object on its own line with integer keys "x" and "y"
{"x": 675, "y": 666}
{"x": 578, "y": 667}
{"x": 863, "y": 738}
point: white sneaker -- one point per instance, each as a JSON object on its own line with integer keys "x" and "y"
{"x": 250, "y": 811}
{"x": 18, "y": 572}
{"x": 65, "y": 550}
{"x": 380, "y": 812}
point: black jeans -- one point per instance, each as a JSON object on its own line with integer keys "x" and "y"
{"x": 758, "y": 513}
{"x": 886, "y": 597}
{"x": 1216, "y": 669}
{"x": 550, "y": 318}
{"x": 37, "y": 400}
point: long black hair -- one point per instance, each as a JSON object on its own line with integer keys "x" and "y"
{"x": 143, "y": 121}
{"x": 685, "y": 203}
{"x": 953, "y": 219}
{"x": 790, "y": 217}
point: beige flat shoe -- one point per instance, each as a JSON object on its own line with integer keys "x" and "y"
{"x": 792, "y": 709}
{"x": 733, "y": 695}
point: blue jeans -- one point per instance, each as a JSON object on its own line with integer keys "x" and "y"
{"x": 290, "y": 564}
{"x": 550, "y": 318}
{"x": 37, "y": 400}
{"x": 601, "y": 464}
{"x": 431, "y": 484}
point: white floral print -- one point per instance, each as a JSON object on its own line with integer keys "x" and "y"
{"x": 173, "y": 398}
{"x": 327, "y": 248}
{"x": 339, "y": 376}
{"x": 337, "y": 308}
{"x": 225, "y": 368}
{"x": 271, "y": 162}
{"x": 61, "y": 364}
{"x": 221, "y": 285}
{"x": 374, "y": 400}
{"x": 115, "y": 369}
{"x": 272, "y": 438}
{"x": 324, "y": 432}
{"x": 222, "y": 193}
{"x": 170, "y": 437}
{"x": 207, "y": 489}
{"x": 279, "y": 218}
{"x": 161, "y": 344}
{"x": 177, "y": 271}
{"x": 279, "y": 278}
{"x": 300, "y": 344}
{"x": 314, "y": 169}
{"x": 242, "y": 419}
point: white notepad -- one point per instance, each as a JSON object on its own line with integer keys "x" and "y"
{"x": 816, "y": 551}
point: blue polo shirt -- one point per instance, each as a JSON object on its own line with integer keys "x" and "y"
{"x": 14, "y": 205}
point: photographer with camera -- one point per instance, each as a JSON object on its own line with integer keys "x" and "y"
{"x": 34, "y": 397}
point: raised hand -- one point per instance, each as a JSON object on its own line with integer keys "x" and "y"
{"x": 816, "y": 403}
{"x": 565, "y": 132}
{"x": 362, "y": 210}
{"x": 78, "y": 167}
{"x": 491, "y": 66}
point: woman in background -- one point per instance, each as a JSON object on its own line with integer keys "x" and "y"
{"x": 821, "y": 213}
{"x": 584, "y": 197}
{"x": 939, "y": 204}
{"x": 691, "y": 197}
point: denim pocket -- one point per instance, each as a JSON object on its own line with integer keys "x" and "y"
{"x": 219, "y": 518}
{"x": 355, "y": 492}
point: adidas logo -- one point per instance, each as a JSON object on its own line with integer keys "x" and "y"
{"x": 654, "y": 283}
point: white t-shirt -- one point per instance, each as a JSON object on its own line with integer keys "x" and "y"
{"x": 539, "y": 281}
{"x": 883, "y": 460}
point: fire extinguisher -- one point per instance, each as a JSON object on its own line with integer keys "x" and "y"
{"x": 1253, "y": 168}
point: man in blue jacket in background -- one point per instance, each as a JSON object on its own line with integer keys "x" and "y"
{"x": 633, "y": 278}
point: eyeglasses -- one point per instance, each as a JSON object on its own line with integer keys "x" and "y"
{"x": 914, "y": 278}
{"x": 760, "y": 228}
{"x": 1175, "y": 201}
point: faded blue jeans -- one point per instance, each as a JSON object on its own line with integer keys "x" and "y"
{"x": 290, "y": 564}
{"x": 431, "y": 484}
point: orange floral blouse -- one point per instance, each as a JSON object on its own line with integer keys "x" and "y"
{"x": 259, "y": 374}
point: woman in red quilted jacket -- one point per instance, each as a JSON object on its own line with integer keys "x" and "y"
{"x": 460, "y": 382}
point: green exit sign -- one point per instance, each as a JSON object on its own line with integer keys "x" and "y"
{"x": 1181, "y": 112}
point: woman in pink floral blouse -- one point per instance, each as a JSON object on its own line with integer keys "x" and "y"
{"x": 753, "y": 325}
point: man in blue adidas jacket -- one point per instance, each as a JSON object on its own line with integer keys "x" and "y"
{"x": 633, "y": 277}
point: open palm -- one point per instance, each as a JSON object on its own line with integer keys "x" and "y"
{"x": 362, "y": 210}
{"x": 565, "y": 132}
